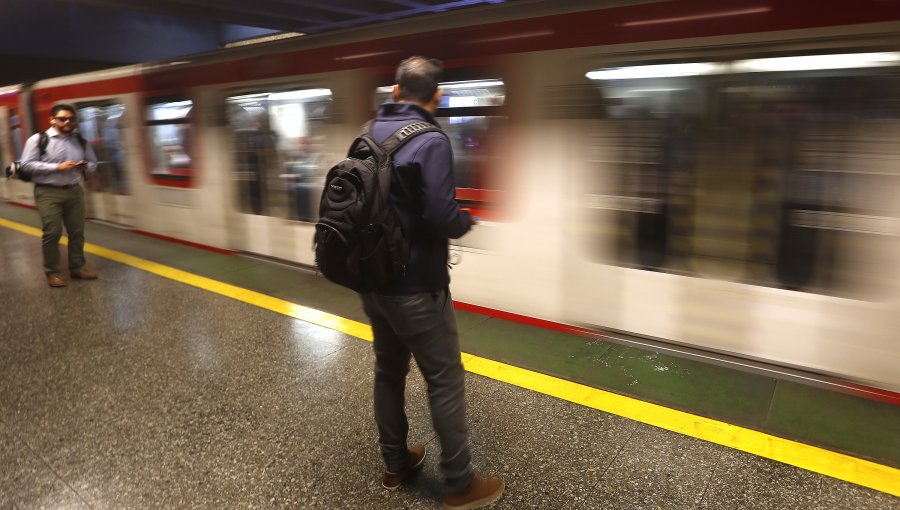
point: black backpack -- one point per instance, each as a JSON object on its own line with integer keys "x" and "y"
{"x": 359, "y": 241}
{"x": 15, "y": 169}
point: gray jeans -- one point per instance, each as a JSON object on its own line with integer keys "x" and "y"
{"x": 423, "y": 325}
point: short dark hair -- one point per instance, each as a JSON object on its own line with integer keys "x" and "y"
{"x": 56, "y": 109}
{"x": 418, "y": 78}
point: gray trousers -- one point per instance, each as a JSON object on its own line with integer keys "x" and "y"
{"x": 423, "y": 325}
{"x": 58, "y": 207}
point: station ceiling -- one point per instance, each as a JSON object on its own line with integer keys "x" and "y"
{"x": 305, "y": 16}
{"x": 45, "y": 38}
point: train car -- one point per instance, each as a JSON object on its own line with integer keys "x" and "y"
{"x": 12, "y": 124}
{"x": 713, "y": 176}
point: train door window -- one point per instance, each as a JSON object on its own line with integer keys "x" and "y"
{"x": 471, "y": 113}
{"x": 101, "y": 124}
{"x": 775, "y": 171}
{"x": 280, "y": 151}
{"x": 169, "y": 127}
{"x": 643, "y": 195}
{"x": 15, "y": 132}
{"x": 828, "y": 168}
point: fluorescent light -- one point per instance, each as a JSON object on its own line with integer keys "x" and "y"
{"x": 657, "y": 71}
{"x": 526, "y": 35}
{"x": 174, "y": 104}
{"x": 797, "y": 63}
{"x": 697, "y": 17}
{"x": 474, "y": 84}
{"x": 662, "y": 89}
{"x": 248, "y": 97}
{"x": 817, "y": 62}
{"x": 294, "y": 95}
{"x": 366, "y": 55}
{"x": 263, "y": 39}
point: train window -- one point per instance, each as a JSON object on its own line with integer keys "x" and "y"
{"x": 15, "y": 131}
{"x": 775, "y": 171}
{"x": 642, "y": 200}
{"x": 169, "y": 124}
{"x": 471, "y": 114}
{"x": 280, "y": 151}
{"x": 101, "y": 124}
{"x": 460, "y": 94}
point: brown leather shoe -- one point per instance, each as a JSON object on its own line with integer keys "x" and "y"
{"x": 84, "y": 274}
{"x": 55, "y": 280}
{"x": 481, "y": 492}
{"x": 392, "y": 481}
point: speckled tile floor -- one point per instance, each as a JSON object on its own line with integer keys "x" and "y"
{"x": 135, "y": 392}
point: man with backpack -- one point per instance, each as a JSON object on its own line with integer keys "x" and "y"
{"x": 55, "y": 161}
{"x": 413, "y": 314}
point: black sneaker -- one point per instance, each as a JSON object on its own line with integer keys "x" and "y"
{"x": 392, "y": 481}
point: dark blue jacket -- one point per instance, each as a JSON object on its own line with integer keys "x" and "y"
{"x": 424, "y": 195}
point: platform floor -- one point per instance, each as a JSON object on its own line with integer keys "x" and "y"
{"x": 147, "y": 389}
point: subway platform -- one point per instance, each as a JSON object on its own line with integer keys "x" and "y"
{"x": 185, "y": 378}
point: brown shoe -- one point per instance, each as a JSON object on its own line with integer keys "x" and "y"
{"x": 481, "y": 492}
{"x": 392, "y": 481}
{"x": 55, "y": 280}
{"x": 84, "y": 274}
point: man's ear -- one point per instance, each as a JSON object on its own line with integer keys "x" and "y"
{"x": 396, "y": 93}
{"x": 436, "y": 100}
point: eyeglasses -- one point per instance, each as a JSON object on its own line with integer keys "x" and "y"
{"x": 66, "y": 119}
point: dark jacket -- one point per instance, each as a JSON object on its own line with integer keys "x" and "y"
{"x": 424, "y": 195}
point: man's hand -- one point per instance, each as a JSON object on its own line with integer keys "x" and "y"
{"x": 475, "y": 219}
{"x": 68, "y": 165}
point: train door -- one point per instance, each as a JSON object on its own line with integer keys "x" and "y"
{"x": 102, "y": 124}
{"x": 281, "y": 141}
{"x": 12, "y": 139}
{"x": 634, "y": 213}
{"x": 780, "y": 226}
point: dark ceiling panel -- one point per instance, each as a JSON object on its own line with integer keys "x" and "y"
{"x": 308, "y": 16}
{"x": 19, "y": 69}
{"x": 264, "y": 14}
{"x": 120, "y": 32}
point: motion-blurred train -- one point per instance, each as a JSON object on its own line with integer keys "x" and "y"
{"x": 722, "y": 176}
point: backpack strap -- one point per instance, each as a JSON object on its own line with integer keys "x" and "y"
{"x": 83, "y": 143}
{"x": 393, "y": 142}
{"x": 404, "y": 134}
{"x": 43, "y": 141}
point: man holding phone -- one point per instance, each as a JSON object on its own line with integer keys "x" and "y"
{"x": 57, "y": 172}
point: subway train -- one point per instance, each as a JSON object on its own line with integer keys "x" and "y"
{"x": 714, "y": 176}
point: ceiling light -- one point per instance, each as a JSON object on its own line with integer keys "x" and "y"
{"x": 817, "y": 62}
{"x": 657, "y": 71}
{"x": 294, "y": 95}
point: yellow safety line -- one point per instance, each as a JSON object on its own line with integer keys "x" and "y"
{"x": 844, "y": 467}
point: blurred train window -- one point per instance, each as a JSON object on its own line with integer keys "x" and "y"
{"x": 471, "y": 113}
{"x": 101, "y": 125}
{"x": 774, "y": 171}
{"x": 169, "y": 126}
{"x": 15, "y": 132}
{"x": 280, "y": 151}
